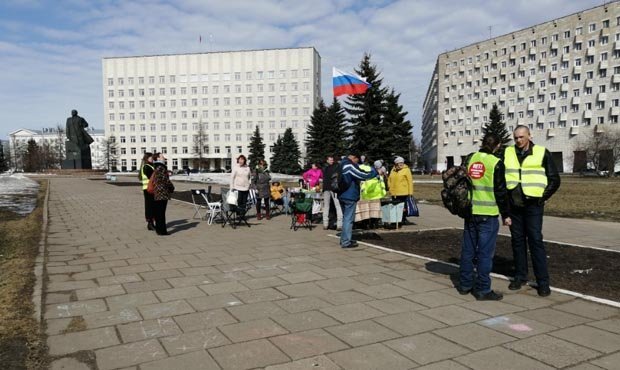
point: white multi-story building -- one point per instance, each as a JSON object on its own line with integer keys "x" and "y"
{"x": 158, "y": 103}
{"x": 54, "y": 141}
{"x": 560, "y": 78}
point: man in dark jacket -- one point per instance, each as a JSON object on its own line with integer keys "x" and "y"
{"x": 329, "y": 194}
{"x": 351, "y": 177}
{"x": 531, "y": 179}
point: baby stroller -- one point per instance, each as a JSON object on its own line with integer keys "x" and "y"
{"x": 301, "y": 207}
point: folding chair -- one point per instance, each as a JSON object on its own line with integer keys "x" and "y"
{"x": 214, "y": 209}
{"x": 232, "y": 214}
{"x": 199, "y": 200}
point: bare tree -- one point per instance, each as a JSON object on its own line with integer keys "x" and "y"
{"x": 200, "y": 147}
{"x": 59, "y": 145}
{"x": 601, "y": 149}
{"x": 110, "y": 153}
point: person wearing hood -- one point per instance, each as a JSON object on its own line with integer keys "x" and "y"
{"x": 261, "y": 180}
{"x": 400, "y": 184}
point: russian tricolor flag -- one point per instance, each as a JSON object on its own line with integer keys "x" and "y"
{"x": 348, "y": 83}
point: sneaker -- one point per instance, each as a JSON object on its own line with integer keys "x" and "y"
{"x": 543, "y": 291}
{"x": 490, "y": 296}
{"x": 352, "y": 245}
{"x": 516, "y": 284}
{"x": 463, "y": 291}
{"x": 259, "y": 216}
{"x": 150, "y": 226}
{"x": 268, "y": 217}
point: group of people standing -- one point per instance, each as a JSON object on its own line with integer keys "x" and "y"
{"x": 153, "y": 170}
{"x": 515, "y": 185}
{"x": 347, "y": 192}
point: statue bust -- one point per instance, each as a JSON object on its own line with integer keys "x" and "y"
{"x": 78, "y": 143}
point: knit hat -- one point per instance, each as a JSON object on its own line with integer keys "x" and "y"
{"x": 399, "y": 160}
{"x": 378, "y": 164}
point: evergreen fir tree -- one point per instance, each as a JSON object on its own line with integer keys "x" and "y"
{"x": 317, "y": 130}
{"x": 366, "y": 112}
{"x": 32, "y": 157}
{"x": 276, "y": 157}
{"x": 398, "y": 137}
{"x": 497, "y": 127}
{"x": 336, "y": 139}
{"x": 326, "y": 133}
{"x": 286, "y": 154}
{"x": 3, "y": 162}
{"x": 256, "y": 147}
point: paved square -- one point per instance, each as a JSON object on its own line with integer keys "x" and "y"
{"x": 268, "y": 297}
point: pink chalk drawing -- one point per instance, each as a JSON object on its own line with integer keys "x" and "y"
{"x": 520, "y": 327}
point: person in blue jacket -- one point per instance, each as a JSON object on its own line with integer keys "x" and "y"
{"x": 350, "y": 195}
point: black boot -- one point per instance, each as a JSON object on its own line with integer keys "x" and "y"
{"x": 150, "y": 226}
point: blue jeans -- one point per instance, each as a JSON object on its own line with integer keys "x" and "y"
{"x": 348, "y": 217}
{"x": 479, "y": 237}
{"x": 526, "y": 230}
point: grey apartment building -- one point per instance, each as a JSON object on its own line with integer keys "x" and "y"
{"x": 160, "y": 102}
{"x": 561, "y": 78}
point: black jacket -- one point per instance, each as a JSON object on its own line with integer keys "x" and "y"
{"x": 551, "y": 171}
{"x": 328, "y": 173}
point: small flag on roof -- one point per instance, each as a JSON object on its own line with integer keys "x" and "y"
{"x": 348, "y": 83}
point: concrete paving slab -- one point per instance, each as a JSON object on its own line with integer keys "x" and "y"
{"x": 371, "y": 357}
{"x": 552, "y": 351}
{"x": 248, "y": 355}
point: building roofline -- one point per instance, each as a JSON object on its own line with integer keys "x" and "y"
{"x": 213, "y": 52}
{"x": 529, "y": 27}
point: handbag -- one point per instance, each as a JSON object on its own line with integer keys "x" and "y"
{"x": 231, "y": 198}
{"x": 412, "y": 207}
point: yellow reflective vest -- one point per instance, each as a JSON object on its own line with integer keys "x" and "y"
{"x": 530, "y": 173}
{"x": 372, "y": 189}
{"x": 481, "y": 170}
{"x": 143, "y": 178}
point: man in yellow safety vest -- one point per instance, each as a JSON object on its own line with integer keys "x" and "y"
{"x": 531, "y": 178}
{"x": 489, "y": 200}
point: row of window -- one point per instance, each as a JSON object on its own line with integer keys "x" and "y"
{"x": 544, "y": 40}
{"x": 537, "y": 126}
{"x": 226, "y": 113}
{"x": 206, "y": 126}
{"x": 542, "y": 69}
{"x": 195, "y": 102}
{"x": 540, "y": 96}
{"x": 226, "y": 89}
{"x": 192, "y": 138}
{"x": 205, "y": 77}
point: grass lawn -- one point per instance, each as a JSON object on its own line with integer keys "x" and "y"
{"x": 591, "y": 198}
{"x": 21, "y": 344}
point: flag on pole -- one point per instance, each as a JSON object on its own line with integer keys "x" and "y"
{"x": 348, "y": 83}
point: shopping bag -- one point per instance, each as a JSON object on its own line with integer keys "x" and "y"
{"x": 412, "y": 207}
{"x": 231, "y": 198}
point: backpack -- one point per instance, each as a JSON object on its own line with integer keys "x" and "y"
{"x": 457, "y": 191}
{"x": 150, "y": 188}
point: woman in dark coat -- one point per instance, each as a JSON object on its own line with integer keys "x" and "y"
{"x": 261, "y": 180}
{"x": 163, "y": 189}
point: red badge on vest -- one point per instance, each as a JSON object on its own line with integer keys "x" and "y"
{"x": 477, "y": 170}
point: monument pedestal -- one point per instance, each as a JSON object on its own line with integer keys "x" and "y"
{"x": 77, "y": 158}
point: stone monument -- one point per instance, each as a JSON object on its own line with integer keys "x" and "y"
{"x": 78, "y": 143}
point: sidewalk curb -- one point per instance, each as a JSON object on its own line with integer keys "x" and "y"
{"x": 39, "y": 262}
{"x": 499, "y": 276}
